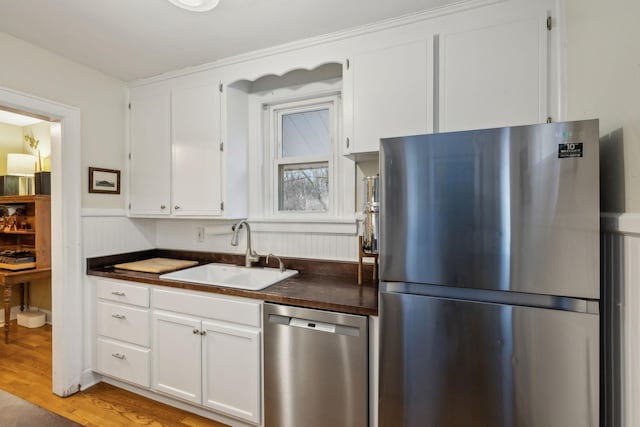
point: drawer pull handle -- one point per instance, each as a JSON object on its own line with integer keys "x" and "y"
{"x": 119, "y": 316}
{"x": 117, "y": 293}
{"x": 119, "y": 356}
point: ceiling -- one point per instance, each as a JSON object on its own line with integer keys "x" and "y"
{"x": 16, "y": 119}
{"x": 131, "y": 39}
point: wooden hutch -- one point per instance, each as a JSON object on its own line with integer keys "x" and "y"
{"x": 28, "y": 230}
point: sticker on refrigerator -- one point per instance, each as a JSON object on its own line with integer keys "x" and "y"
{"x": 570, "y": 149}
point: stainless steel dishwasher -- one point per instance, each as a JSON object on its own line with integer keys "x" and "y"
{"x": 315, "y": 368}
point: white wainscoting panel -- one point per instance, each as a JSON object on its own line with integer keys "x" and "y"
{"x": 182, "y": 234}
{"x": 612, "y": 276}
{"x": 108, "y": 235}
{"x": 631, "y": 330}
{"x": 621, "y": 296}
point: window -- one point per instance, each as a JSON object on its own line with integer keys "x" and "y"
{"x": 304, "y": 155}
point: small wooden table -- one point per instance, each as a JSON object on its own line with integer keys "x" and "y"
{"x": 9, "y": 278}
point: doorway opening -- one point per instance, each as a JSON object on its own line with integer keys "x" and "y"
{"x": 66, "y": 291}
{"x": 25, "y": 219}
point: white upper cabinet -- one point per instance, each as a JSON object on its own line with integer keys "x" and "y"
{"x": 477, "y": 67}
{"x": 387, "y": 94}
{"x": 485, "y": 67}
{"x": 197, "y": 177}
{"x": 493, "y": 76}
{"x": 150, "y": 166}
{"x": 178, "y": 160}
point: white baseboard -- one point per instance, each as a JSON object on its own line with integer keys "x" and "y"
{"x": 89, "y": 378}
{"x": 177, "y": 404}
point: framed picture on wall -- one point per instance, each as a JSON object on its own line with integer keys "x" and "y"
{"x": 106, "y": 181}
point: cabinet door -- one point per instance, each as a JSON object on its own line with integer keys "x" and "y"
{"x": 196, "y": 150}
{"x": 494, "y": 76}
{"x": 176, "y": 356}
{"x": 150, "y": 149}
{"x": 231, "y": 370}
{"x": 390, "y": 93}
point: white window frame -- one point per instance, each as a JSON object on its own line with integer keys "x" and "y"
{"x": 261, "y": 213}
{"x": 273, "y": 120}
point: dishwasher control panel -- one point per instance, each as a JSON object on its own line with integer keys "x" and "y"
{"x": 309, "y": 324}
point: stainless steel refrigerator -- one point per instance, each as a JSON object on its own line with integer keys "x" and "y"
{"x": 489, "y": 269}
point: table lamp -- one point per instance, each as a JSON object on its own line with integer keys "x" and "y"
{"x": 23, "y": 166}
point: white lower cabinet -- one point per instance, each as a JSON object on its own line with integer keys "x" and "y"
{"x": 122, "y": 331}
{"x": 212, "y": 359}
{"x": 198, "y": 347}
{"x": 231, "y": 369}
{"x": 177, "y": 361}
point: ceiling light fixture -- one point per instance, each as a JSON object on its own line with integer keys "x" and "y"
{"x": 196, "y": 5}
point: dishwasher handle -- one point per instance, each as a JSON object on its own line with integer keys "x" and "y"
{"x": 311, "y": 324}
{"x": 314, "y": 325}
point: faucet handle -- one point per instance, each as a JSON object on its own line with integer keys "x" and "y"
{"x": 280, "y": 263}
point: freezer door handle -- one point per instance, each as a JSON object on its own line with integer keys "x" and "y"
{"x": 577, "y": 305}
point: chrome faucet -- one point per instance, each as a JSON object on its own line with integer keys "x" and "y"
{"x": 280, "y": 263}
{"x": 250, "y": 256}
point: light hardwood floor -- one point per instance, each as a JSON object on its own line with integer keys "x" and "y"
{"x": 25, "y": 371}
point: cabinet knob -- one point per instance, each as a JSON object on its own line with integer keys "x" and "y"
{"x": 195, "y": 331}
{"x": 203, "y": 332}
{"x": 119, "y": 356}
{"x": 119, "y": 316}
{"x": 163, "y": 206}
{"x": 176, "y": 207}
{"x": 347, "y": 142}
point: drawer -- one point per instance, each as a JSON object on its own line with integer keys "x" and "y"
{"x": 220, "y": 307}
{"x": 123, "y": 361}
{"x": 123, "y": 292}
{"x": 123, "y": 322}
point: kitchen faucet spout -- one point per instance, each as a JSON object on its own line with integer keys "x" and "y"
{"x": 250, "y": 255}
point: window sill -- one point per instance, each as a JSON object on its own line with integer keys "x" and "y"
{"x": 345, "y": 226}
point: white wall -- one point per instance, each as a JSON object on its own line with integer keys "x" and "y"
{"x": 101, "y": 101}
{"x": 10, "y": 142}
{"x": 100, "y": 98}
{"x": 603, "y": 81}
{"x": 41, "y": 132}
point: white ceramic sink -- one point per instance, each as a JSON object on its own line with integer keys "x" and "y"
{"x": 231, "y": 276}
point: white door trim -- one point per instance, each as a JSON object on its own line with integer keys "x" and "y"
{"x": 66, "y": 280}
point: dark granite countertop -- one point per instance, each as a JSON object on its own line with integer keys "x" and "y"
{"x": 327, "y": 285}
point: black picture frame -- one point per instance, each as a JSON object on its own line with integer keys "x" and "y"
{"x": 104, "y": 181}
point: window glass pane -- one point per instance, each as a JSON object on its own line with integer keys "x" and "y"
{"x": 304, "y": 187}
{"x": 306, "y": 134}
